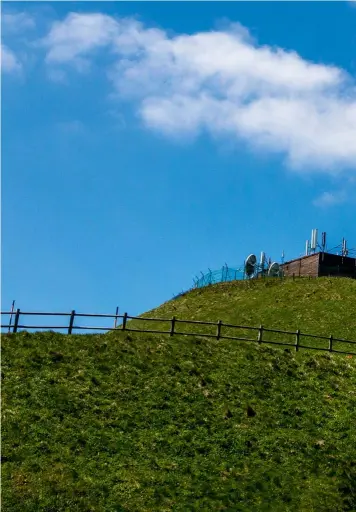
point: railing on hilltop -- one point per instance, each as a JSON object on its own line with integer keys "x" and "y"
{"x": 229, "y": 274}
{"x": 219, "y": 333}
{"x": 222, "y": 275}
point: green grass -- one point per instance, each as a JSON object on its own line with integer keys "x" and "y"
{"x": 322, "y": 306}
{"x": 138, "y": 422}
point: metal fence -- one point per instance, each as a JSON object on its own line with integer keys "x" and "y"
{"x": 229, "y": 274}
{"x": 220, "y": 330}
{"x": 220, "y": 276}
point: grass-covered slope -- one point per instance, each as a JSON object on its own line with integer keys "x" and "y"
{"x": 137, "y": 422}
{"x": 321, "y": 306}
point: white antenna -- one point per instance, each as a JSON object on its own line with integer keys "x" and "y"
{"x": 273, "y": 270}
{"x": 262, "y": 259}
{"x": 344, "y": 248}
{"x": 314, "y": 239}
{"x": 307, "y": 247}
{"x": 250, "y": 265}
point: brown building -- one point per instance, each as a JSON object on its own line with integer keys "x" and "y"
{"x": 321, "y": 264}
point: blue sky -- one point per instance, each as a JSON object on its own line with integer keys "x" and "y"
{"x": 145, "y": 142}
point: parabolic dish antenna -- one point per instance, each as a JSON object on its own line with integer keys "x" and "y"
{"x": 250, "y": 264}
{"x": 273, "y": 270}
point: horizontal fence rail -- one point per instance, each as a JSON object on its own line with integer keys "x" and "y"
{"x": 219, "y": 332}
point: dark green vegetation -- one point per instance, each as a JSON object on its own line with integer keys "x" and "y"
{"x": 138, "y": 422}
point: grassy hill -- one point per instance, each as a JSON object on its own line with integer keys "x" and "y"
{"x": 139, "y": 422}
{"x": 321, "y": 306}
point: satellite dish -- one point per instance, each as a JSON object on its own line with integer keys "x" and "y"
{"x": 250, "y": 263}
{"x": 273, "y": 270}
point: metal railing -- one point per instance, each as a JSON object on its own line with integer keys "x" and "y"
{"x": 229, "y": 274}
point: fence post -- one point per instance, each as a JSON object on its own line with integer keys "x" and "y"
{"x": 260, "y": 334}
{"x": 330, "y": 343}
{"x": 124, "y": 320}
{"x": 71, "y": 322}
{"x": 297, "y": 336}
{"x": 172, "y": 326}
{"x": 16, "y": 322}
{"x": 218, "y": 330}
{"x": 116, "y": 314}
{"x": 12, "y": 312}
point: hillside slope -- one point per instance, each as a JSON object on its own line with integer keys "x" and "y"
{"x": 321, "y": 306}
{"x": 138, "y": 422}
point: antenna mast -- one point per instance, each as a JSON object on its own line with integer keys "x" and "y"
{"x": 314, "y": 240}
{"x": 307, "y": 248}
{"x": 344, "y": 248}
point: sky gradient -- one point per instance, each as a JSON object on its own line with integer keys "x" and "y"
{"x": 143, "y": 143}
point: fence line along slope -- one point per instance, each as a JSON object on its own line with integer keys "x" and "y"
{"x": 177, "y": 326}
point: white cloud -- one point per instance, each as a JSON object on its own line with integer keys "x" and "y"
{"x": 9, "y": 61}
{"x": 78, "y": 35}
{"x": 15, "y": 27}
{"x": 221, "y": 82}
{"x": 17, "y": 22}
{"x": 330, "y": 199}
